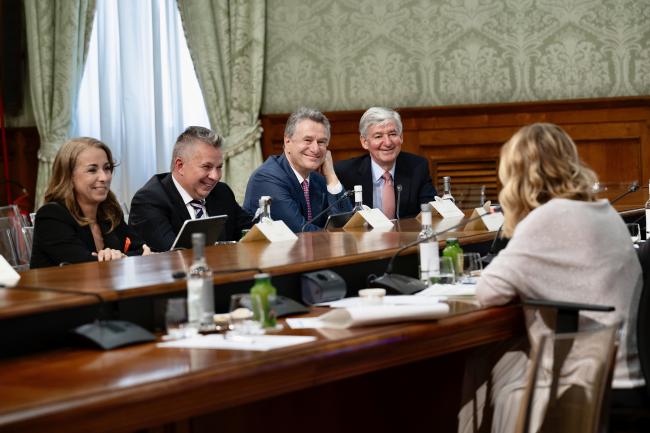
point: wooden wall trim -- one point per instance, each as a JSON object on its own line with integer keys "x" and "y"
{"x": 612, "y": 134}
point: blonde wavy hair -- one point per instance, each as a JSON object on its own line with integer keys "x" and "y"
{"x": 540, "y": 162}
{"x": 61, "y": 187}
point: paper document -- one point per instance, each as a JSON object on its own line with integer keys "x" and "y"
{"x": 253, "y": 342}
{"x": 448, "y": 290}
{"x": 342, "y": 318}
{"x": 388, "y": 300}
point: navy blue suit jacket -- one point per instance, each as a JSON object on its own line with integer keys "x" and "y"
{"x": 158, "y": 212}
{"x": 411, "y": 171}
{"x": 276, "y": 179}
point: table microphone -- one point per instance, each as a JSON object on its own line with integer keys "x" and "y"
{"x": 634, "y": 187}
{"x": 403, "y": 284}
{"x": 107, "y": 334}
{"x": 345, "y": 195}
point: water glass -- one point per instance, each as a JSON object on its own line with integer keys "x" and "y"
{"x": 176, "y": 319}
{"x": 472, "y": 267}
{"x": 446, "y": 273}
{"x": 635, "y": 232}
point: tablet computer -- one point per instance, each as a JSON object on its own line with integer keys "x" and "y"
{"x": 212, "y": 227}
{"x": 337, "y": 220}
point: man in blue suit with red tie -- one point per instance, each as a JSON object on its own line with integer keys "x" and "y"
{"x": 299, "y": 192}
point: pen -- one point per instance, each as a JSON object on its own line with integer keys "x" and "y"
{"x": 127, "y": 244}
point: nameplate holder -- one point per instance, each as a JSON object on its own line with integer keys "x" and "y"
{"x": 490, "y": 221}
{"x": 270, "y": 231}
{"x": 445, "y": 209}
{"x": 8, "y": 275}
{"x": 374, "y": 217}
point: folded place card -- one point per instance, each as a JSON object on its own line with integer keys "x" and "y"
{"x": 272, "y": 231}
{"x": 374, "y": 217}
{"x": 445, "y": 208}
{"x": 490, "y": 221}
{"x": 8, "y": 275}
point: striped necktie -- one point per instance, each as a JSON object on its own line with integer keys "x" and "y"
{"x": 305, "y": 191}
{"x": 198, "y": 206}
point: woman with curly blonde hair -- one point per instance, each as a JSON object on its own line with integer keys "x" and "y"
{"x": 565, "y": 245}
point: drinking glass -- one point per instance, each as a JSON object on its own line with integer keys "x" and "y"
{"x": 445, "y": 274}
{"x": 472, "y": 267}
{"x": 176, "y": 319}
{"x": 241, "y": 316}
{"x": 635, "y": 232}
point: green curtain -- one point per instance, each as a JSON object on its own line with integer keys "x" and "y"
{"x": 226, "y": 42}
{"x": 58, "y": 33}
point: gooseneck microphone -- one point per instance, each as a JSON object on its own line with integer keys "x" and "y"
{"x": 345, "y": 195}
{"x": 403, "y": 284}
{"x": 634, "y": 187}
{"x": 107, "y": 334}
{"x": 399, "y": 199}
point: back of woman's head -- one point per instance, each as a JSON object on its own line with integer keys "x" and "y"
{"x": 61, "y": 186}
{"x": 540, "y": 162}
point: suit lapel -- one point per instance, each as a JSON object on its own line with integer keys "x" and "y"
{"x": 365, "y": 174}
{"x": 403, "y": 177}
{"x": 296, "y": 188}
{"x": 178, "y": 206}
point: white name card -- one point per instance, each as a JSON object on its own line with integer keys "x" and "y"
{"x": 490, "y": 221}
{"x": 8, "y": 275}
{"x": 445, "y": 208}
{"x": 272, "y": 231}
{"x": 374, "y": 217}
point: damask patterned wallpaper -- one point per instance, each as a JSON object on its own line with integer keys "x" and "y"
{"x": 351, "y": 54}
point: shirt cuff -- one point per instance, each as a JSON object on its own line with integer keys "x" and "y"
{"x": 336, "y": 189}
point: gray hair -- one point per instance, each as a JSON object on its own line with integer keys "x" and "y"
{"x": 190, "y": 136}
{"x": 377, "y": 115}
{"x": 304, "y": 113}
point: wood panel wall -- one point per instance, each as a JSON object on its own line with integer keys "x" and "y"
{"x": 612, "y": 134}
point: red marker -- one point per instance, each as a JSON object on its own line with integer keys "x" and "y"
{"x": 127, "y": 244}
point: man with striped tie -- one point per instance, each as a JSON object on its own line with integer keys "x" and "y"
{"x": 192, "y": 190}
{"x": 299, "y": 192}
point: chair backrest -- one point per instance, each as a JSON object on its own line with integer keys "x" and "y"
{"x": 569, "y": 379}
{"x": 643, "y": 315}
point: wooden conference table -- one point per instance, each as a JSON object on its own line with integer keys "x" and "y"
{"x": 404, "y": 376}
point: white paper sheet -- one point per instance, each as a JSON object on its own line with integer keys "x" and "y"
{"x": 254, "y": 342}
{"x": 438, "y": 290}
{"x": 342, "y": 318}
{"x": 388, "y": 300}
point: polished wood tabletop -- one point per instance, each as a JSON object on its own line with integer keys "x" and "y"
{"x": 148, "y": 275}
{"x": 137, "y": 387}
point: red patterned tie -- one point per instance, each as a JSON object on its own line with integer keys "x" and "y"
{"x": 305, "y": 190}
{"x": 388, "y": 196}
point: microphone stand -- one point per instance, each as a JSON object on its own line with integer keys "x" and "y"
{"x": 345, "y": 195}
{"x": 403, "y": 284}
{"x": 634, "y": 187}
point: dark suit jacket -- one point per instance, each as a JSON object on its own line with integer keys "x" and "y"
{"x": 411, "y": 171}
{"x": 158, "y": 212}
{"x": 276, "y": 179}
{"x": 58, "y": 238}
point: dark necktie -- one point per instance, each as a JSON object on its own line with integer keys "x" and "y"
{"x": 198, "y": 206}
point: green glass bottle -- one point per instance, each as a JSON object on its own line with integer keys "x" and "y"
{"x": 453, "y": 250}
{"x": 263, "y": 296}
